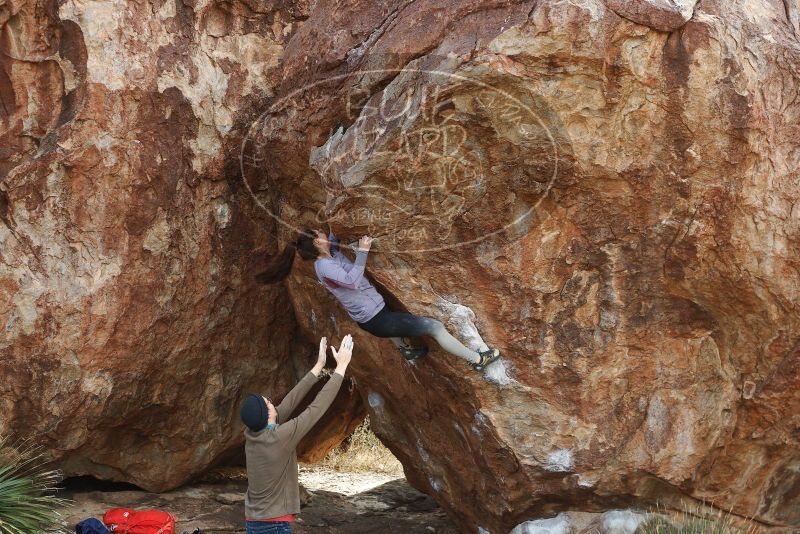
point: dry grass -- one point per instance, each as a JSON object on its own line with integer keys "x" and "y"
{"x": 696, "y": 520}
{"x": 362, "y": 452}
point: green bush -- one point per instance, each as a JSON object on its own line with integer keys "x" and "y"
{"x": 28, "y": 502}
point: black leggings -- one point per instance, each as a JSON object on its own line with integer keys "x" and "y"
{"x": 398, "y": 325}
{"x": 389, "y": 323}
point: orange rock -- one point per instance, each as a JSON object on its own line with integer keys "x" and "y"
{"x": 614, "y": 204}
{"x": 606, "y": 191}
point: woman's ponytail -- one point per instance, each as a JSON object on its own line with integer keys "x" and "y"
{"x": 280, "y": 265}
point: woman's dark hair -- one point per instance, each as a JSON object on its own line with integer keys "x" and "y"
{"x": 279, "y": 265}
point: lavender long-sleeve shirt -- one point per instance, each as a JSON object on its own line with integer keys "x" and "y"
{"x": 346, "y": 280}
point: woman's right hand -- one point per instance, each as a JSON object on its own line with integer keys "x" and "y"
{"x": 365, "y": 243}
{"x": 343, "y": 355}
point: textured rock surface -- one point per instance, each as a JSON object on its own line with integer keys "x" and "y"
{"x": 664, "y": 15}
{"x": 131, "y": 324}
{"x": 645, "y": 296}
{"x": 614, "y": 206}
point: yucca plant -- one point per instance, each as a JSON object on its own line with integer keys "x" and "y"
{"x": 28, "y": 500}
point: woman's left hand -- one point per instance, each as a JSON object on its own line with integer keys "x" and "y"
{"x": 365, "y": 243}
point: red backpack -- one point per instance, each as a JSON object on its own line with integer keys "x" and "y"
{"x": 125, "y": 521}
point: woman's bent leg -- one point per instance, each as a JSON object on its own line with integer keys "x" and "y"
{"x": 399, "y": 342}
{"x": 402, "y": 324}
{"x": 451, "y": 344}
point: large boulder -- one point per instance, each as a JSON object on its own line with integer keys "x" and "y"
{"x": 613, "y": 205}
{"x": 131, "y": 322}
{"x": 606, "y": 191}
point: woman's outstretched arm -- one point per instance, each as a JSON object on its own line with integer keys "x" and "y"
{"x": 335, "y": 274}
{"x": 349, "y": 278}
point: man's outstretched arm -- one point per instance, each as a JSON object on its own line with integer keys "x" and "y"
{"x": 293, "y": 430}
{"x": 290, "y": 401}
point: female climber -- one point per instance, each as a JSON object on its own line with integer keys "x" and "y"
{"x": 348, "y": 283}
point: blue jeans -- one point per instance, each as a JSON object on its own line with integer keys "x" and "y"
{"x": 268, "y": 527}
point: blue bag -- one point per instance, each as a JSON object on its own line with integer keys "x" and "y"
{"x": 91, "y": 526}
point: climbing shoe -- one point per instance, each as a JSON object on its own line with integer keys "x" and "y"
{"x": 412, "y": 353}
{"x": 487, "y": 357}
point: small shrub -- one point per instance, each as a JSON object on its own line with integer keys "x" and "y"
{"x": 363, "y": 452}
{"x": 28, "y": 504}
{"x": 698, "y": 521}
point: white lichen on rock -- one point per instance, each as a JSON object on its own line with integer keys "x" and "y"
{"x": 560, "y": 460}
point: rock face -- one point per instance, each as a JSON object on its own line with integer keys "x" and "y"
{"x": 131, "y": 323}
{"x": 663, "y": 15}
{"x": 615, "y": 204}
{"x": 606, "y": 191}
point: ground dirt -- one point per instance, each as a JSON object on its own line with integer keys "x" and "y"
{"x": 339, "y": 502}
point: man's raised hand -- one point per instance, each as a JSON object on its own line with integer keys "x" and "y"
{"x": 323, "y": 350}
{"x": 343, "y": 355}
{"x": 321, "y": 356}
